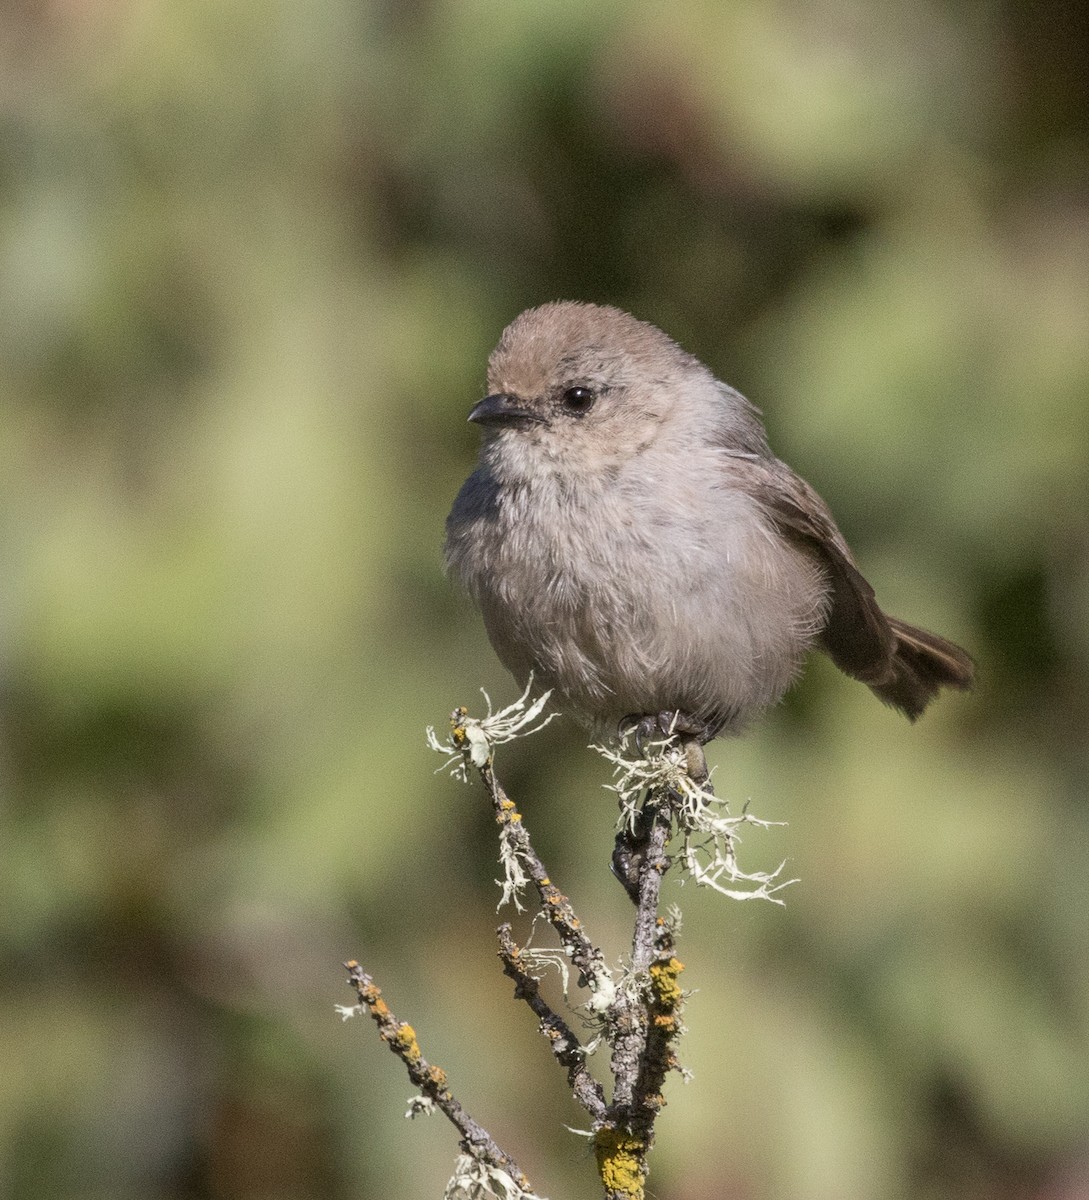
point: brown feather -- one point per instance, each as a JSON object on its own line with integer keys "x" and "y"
{"x": 903, "y": 665}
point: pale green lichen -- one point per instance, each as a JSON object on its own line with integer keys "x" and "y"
{"x": 474, "y": 1179}
{"x": 472, "y": 739}
{"x": 709, "y": 834}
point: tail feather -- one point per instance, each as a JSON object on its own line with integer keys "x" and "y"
{"x": 921, "y": 665}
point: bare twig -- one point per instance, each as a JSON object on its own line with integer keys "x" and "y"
{"x": 628, "y": 1018}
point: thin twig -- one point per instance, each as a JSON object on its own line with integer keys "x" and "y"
{"x": 431, "y": 1080}
{"x": 642, "y": 1016}
{"x": 663, "y": 1029}
{"x": 662, "y": 793}
{"x": 557, "y": 908}
{"x": 628, "y": 1019}
{"x": 569, "y": 1051}
{"x": 652, "y": 952}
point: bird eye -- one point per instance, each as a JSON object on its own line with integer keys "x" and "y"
{"x": 578, "y": 400}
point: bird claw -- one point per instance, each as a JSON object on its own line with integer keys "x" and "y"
{"x": 649, "y": 727}
{"x": 688, "y": 732}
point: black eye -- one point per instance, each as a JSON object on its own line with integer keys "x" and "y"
{"x": 578, "y": 400}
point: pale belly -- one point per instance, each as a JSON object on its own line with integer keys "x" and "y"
{"x": 641, "y": 616}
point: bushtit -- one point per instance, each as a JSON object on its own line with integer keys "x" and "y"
{"x": 633, "y": 543}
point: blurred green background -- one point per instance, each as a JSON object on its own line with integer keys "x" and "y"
{"x": 253, "y": 259}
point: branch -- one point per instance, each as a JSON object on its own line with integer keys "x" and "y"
{"x": 476, "y": 1142}
{"x": 569, "y": 1051}
{"x": 554, "y": 904}
{"x": 641, "y": 1017}
{"x": 644, "y": 1021}
{"x": 664, "y": 790}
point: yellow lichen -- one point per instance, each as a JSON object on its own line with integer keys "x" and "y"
{"x": 405, "y": 1040}
{"x": 620, "y": 1162}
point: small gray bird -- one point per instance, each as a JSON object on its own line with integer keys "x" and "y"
{"x": 633, "y": 543}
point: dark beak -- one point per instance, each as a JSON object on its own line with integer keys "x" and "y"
{"x": 502, "y": 409}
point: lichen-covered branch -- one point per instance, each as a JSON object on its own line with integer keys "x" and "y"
{"x": 645, "y": 1020}
{"x": 476, "y": 1142}
{"x": 569, "y": 1051}
{"x": 554, "y": 904}
{"x": 640, "y": 1016}
{"x": 628, "y": 1019}
{"x": 665, "y": 794}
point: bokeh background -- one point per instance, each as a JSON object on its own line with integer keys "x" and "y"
{"x": 253, "y": 259}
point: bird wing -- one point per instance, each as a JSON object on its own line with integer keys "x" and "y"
{"x": 858, "y": 636}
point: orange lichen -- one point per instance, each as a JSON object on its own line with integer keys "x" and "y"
{"x": 667, "y": 990}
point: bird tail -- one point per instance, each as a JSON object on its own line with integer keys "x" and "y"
{"x": 922, "y": 664}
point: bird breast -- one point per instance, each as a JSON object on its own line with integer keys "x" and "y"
{"x": 638, "y": 590}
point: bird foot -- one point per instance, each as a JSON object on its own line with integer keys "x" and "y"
{"x": 690, "y": 732}
{"x": 671, "y": 723}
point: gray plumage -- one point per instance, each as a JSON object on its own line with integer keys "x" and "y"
{"x": 632, "y": 541}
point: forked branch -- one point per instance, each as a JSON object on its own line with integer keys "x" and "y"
{"x": 635, "y": 1008}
